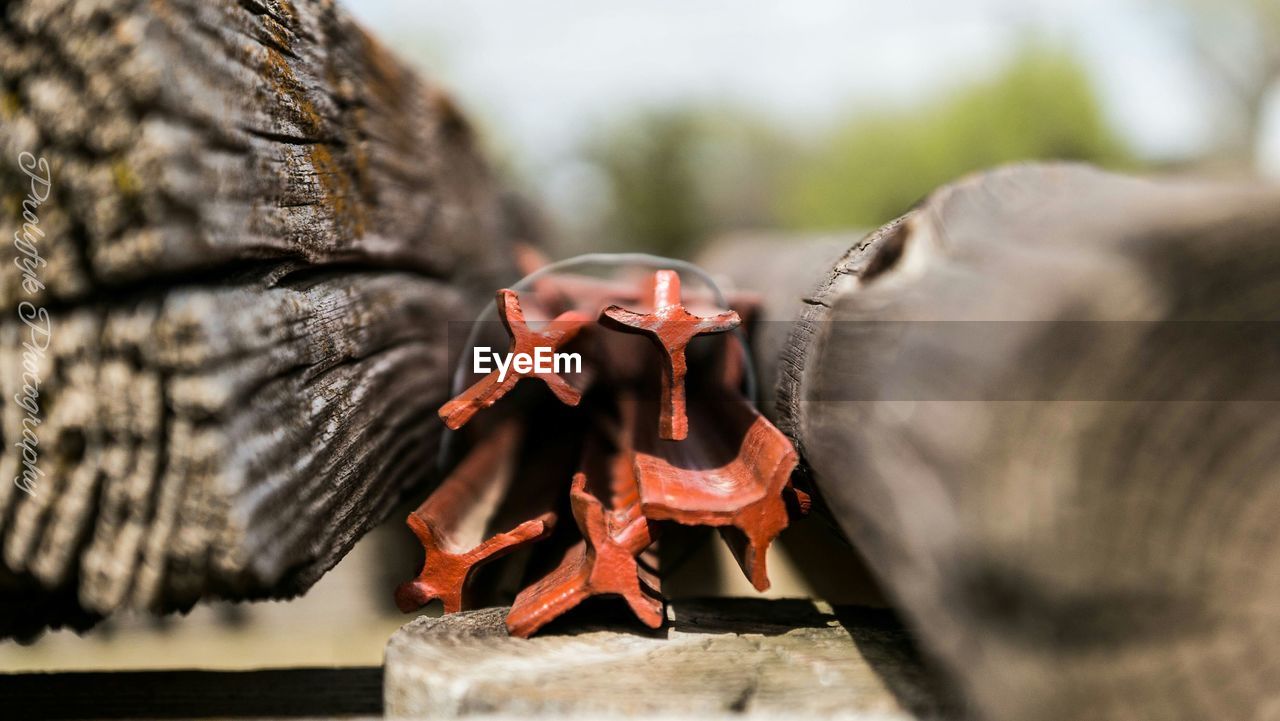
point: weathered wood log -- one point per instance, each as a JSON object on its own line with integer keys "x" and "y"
{"x": 717, "y": 658}
{"x": 1043, "y": 405}
{"x": 258, "y": 223}
{"x": 781, "y": 269}
{"x": 782, "y": 283}
{"x": 189, "y": 136}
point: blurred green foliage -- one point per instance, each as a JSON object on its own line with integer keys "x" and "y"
{"x": 679, "y": 175}
{"x": 872, "y": 169}
{"x": 656, "y": 204}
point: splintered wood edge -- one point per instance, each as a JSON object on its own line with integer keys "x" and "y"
{"x": 804, "y": 337}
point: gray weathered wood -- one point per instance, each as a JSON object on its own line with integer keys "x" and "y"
{"x": 187, "y": 135}
{"x": 715, "y": 658}
{"x": 782, "y": 269}
{"x": 1078, "y": 517}
{"x": 260, "y": 223}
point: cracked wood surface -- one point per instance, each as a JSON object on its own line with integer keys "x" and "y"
{"x": 716, "y": 658}
{"x": 260, "y": 223}
{"x": 186, "y": 136}
{"x": 1072, "y": 499}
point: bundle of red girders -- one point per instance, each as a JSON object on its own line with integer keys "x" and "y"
{"x": 654, "y": 430}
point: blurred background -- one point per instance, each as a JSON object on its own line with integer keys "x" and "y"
{"x": 660, "y": 126}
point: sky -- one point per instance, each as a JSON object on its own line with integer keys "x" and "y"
{"x": 541, "y": 73}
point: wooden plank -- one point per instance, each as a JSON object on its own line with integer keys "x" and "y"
{"x": 1043, "y": 406}
{"x": 715, "y": 658}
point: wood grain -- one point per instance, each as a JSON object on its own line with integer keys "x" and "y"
{"x": 187, "y": 136}
{"x": 260, "y": 224}
{"x": 716, "y": 658}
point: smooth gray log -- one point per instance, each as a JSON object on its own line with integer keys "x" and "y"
{"x": 1043, "y": 405}
{"x": 781, "y": 269}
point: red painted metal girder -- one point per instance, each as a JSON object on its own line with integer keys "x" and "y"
{"x": 568, "y": 291}
{"x": 524, "y": 340}
{"x": 615, "y": 532}
{"x": 453, "y": 523}
{"x": 600, "y": 564}
{"x": 671, "y": 327}
{"x": 732, "y": 472}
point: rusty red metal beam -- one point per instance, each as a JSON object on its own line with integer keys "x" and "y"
{"x": 453, "y": 524}
{"x": 606, "y": 505}
{"x": 602, "y": 566}
{"x": 671, "y": 327}
{"x": 561, "y": 292}
{"x": 488, "y": 390}
{"x": 732, "y": 473}
{"x": 696, "y": 457}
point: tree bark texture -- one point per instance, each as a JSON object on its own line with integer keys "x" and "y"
{"x": 259, "y": 223}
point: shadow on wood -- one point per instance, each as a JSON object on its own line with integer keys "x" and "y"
{"x": 277, "y": 693}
